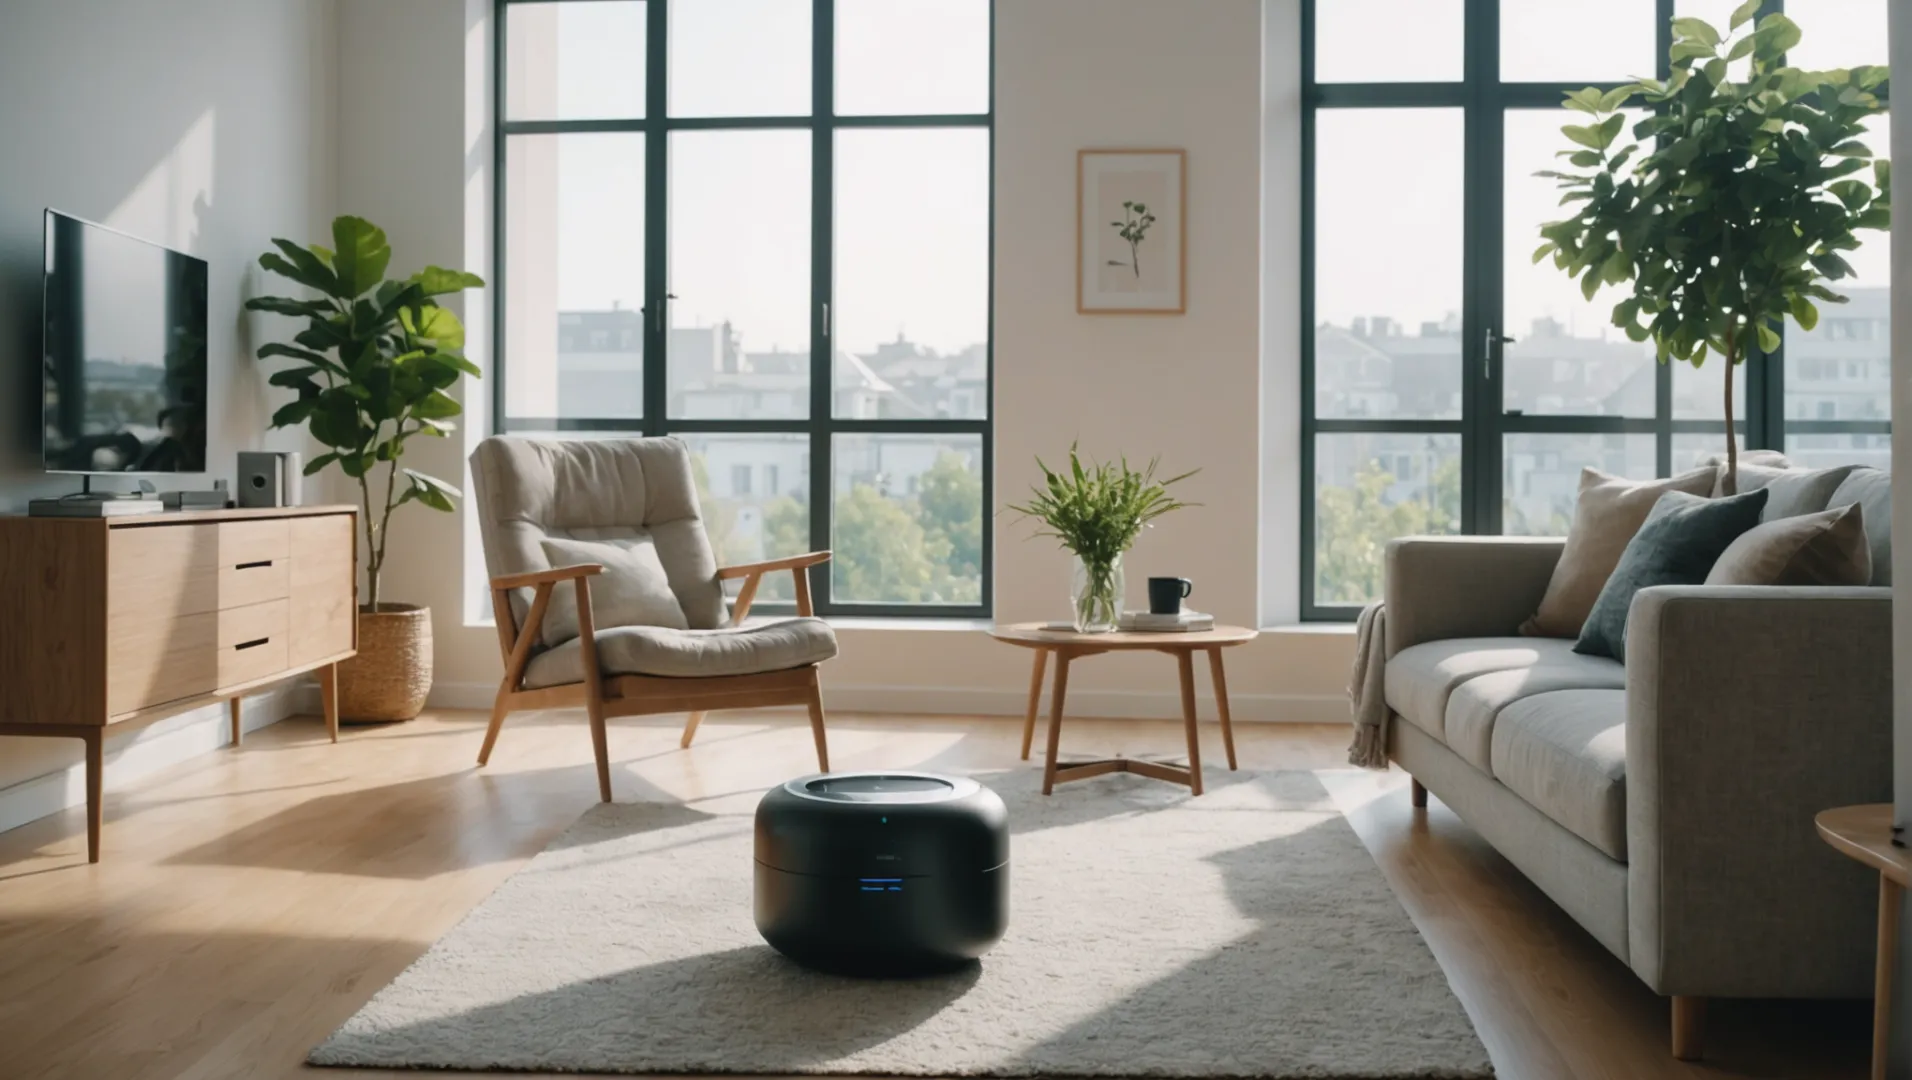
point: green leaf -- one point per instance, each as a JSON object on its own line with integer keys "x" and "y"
{"x": 431, "y": 491}
{"x": 298, "y": 309}
{"x": 319, "y": 462}
{"x": 1544, "y": 250}
{"x": 1585, "y": 159}
{"x": 1768, "y": 339}
{"x": 1741, "y": 48}
{"x": 1743, "y": 14}
{"x": 1851, "y": 148}
{"x": 293, "y": 413}
{"x": 1853, "y": 193}
{"x": 294, "y": 377}
{"x": 274, "y": 348}
{"x": 1803, "y": 313}
{"x": 319, "y": 279}
{"x": 361, "y": 255}
{"x": 437, "y": 405}
{"x": 1696, "y": 30}
{"x": 1617, "y": 97}
{"x": 1688, "y": 51}
{"x": 1776, "y": 35}
{"x": 1586, "y": 136}
{"x": 438, "y": 281}
{"x": 434, "y": 324}
{"x": 1586, "y": 100}
{"x": 1882, "y": 174}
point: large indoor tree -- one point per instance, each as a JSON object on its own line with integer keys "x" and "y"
{"x": 1730, "y": 206}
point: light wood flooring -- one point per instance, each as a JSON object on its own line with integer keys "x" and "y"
{"x": 252, "y": 899}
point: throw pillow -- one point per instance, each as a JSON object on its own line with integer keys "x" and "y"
{"x": 1609, "y": 512}
{"x": 1800, "y": 491}
{"x": 1872, "y": 489}
{"x": 1826, "y": 548}
{"x": 633, "y": 590}
{"x": 1680, "y": 541}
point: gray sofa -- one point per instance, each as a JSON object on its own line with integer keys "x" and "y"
{"x": 1667, "y": 805}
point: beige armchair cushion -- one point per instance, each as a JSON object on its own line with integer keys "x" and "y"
{"x": 633, "y": 590}
{"x": 526, "y": 491}
{"x": 689, "y": 654}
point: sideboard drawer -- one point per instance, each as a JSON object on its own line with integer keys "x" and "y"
{"x": 153, "y": 660}
{"x": 254, "y": 561}
{"x": 165, "y": 570}
{"x": 252, "y": 643}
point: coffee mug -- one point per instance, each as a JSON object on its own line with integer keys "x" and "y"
{"x": 1167, "y": 593}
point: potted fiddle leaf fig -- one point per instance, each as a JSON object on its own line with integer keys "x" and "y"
{"x": 1744, "y": 194}
{"x": 373, "y": 369}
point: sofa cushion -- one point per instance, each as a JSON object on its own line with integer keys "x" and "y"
{"x": 1419, "y": 678}
{"x": 1872, "y": 490}
{"x": 1609, "y": 511}
{"x": 1474, "y": 705}
{"x": 688, "y": 654}
{"x": 1792, "y": 492}
{"x": 1826, "y": 548}
{"x": 1565, "y": 753}
{"x": 1682, "y": 538}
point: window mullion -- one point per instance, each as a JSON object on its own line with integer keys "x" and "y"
{"x": 822, "y": 271}
{"x": 656, "y": 369}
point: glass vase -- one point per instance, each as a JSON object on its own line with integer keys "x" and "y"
{"x": 1095, "y": 595}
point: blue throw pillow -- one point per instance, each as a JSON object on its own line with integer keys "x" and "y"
{"x": 1680, "y": 541}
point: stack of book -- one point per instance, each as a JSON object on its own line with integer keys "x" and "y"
{"x": 1185, "y": 621}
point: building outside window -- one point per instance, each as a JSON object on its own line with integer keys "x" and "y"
{"x": 763, "y": 226}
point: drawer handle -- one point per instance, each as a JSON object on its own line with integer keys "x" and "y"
{"x": 253, "y": 644}
{"x": 253, "y": 565}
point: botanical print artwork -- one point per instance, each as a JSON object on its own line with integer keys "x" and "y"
{"x": 1129, "y": 206}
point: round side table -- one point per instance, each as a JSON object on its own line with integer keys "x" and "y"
{"x": 1067, "y": 646}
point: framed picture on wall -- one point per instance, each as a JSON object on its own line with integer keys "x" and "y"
{"x": 1131, "y": 245}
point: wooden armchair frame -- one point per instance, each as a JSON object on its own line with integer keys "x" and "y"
{"x": 605, "y": 696}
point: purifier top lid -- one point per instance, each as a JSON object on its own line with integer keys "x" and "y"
{"x": 885, "y": 787}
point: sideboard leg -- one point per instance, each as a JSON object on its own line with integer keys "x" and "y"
{"x": 329, "y": 698}
{"x": 233, "y": 703}
{"x": 1689, "y": 1027}
{"x": 1417, "y": 793}
{"x": 95, "y": 800}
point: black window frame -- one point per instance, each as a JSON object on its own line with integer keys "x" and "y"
{"x": 821, "y": 425}
{"x": 1484, "y": 99}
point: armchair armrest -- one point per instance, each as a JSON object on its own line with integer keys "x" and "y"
{"x": 753, "y": 573}
{"x": 791, "y": 562}
{"x": 541, "y": 577}
{"x": 1442, "y": 587}
{"x": 1749, "y": 710}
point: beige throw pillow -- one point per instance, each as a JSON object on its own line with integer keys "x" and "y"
{"x": 633, "y": 590}
{"x": 1826, "y": 548}
{"x": 1609, "y": 512}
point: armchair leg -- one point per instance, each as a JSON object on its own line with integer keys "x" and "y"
{"x": 1417, "y": 794}
{"x": 816, "y": 723}
{"x": 498, "y": 711}
{"x": 690, "y": 729}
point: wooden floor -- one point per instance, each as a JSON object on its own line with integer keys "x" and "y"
{"x": 251, "y": 900}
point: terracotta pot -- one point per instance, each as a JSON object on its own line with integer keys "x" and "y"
{"x": 388, "y": 680}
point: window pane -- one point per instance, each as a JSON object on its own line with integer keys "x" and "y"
{"x": 1838, "y": 34}
{"x": 1841, "y": 369}
{"x": 1697, "y": 391}
{"x": 1388, "y": 41}
{"x": 1693, "y": 449}
{"x": 907, "y": 525}
{"x": 1370, "y": 489}
{"x": 1541, "y": 475}
{"x": 1577, "y": 40}
{"x": 1388, "y": 264}
{"x": 740, "y": 57}
{"x": 740, "y": 272}
{"x": 911, "y": 318}
{"x": 574, "y": 61}
{"x": 754, "y": 491}
{"x": 912, "y": 57}
{"x": 1825, "y": 451}
{"x": 1567, "y": 357}
{"x": 574, "y": 273}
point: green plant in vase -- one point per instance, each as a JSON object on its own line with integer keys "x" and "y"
{"x": 1097, "y": 511}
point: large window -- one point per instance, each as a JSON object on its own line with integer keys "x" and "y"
{"x": 1451, "y": 385}
{"x": 763, "y": 226}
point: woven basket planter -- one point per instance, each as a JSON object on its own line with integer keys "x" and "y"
{"x": 388, "y": 680}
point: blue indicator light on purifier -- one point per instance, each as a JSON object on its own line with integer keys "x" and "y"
{"x": 881, "y": 880}
{"x": 883, "y": 820}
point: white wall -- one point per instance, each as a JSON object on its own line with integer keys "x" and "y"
{"x": 204, "y": 125}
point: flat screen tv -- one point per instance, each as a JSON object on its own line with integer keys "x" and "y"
{"x": 124, "y": 355}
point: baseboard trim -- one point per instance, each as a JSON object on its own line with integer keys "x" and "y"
{"x": 966, "y": 700}
{"x": 141, "y": 751}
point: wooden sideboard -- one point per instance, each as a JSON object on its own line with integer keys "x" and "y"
{"x": 109, "y": 619}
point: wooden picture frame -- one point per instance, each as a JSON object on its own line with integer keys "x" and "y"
{"x": 1131, "y": 232}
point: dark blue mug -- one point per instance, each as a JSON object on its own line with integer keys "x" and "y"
{"x": 1167, "y": 593}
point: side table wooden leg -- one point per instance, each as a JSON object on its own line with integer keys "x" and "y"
{"x": 233, "y": 704}
{"x": 1035, "y": 700}
{"x": 329, "y": 698}
{"x": 95, "y": 798}
{"x": 1221, "y": 704}
{"x": 1055, "y": 721}
{"x": 1891, "y": 894}
{"x": 1185, "y": 663}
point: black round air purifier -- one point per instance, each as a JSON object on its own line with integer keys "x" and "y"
{"x": 882, "y": 873}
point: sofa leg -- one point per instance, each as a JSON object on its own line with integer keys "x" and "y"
{"x": 1417, "y": 793}
{"x": 1689, "y": 1027}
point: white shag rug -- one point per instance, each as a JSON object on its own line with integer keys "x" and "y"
{"x": 1244, "y": 933}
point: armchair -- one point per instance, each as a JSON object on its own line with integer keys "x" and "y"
{"x": 627, "y": 493}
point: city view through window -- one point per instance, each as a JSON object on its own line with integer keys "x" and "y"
{"x": 825, "y": 360}
{"x": 1407, "y": 402}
